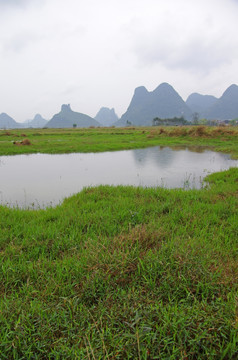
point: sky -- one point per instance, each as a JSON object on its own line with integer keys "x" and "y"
{"x": 93, "y": 54}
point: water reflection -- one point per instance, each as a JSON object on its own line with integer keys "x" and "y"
{"x": 161, "y": 157}
{"x": 192, "y": 148}
{"x": 41, "y": 180}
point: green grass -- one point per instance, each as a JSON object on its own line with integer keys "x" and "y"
{"x": 123, "y": 273}
{"x": 54, "y": 141}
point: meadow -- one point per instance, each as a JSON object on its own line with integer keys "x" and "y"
{"x": 122, "y": 272}
{"x": 56, "y": 141}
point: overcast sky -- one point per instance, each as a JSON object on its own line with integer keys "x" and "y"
{"x": 94, "y": 53}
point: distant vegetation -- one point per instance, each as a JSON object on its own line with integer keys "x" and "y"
{"x": 196, "y": 121}
{"x": 169, "y": 122}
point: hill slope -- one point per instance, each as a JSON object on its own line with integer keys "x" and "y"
{"x": 66, "y": 118}
{"x": 106, "y": 116}
{"x": 37, "y": 122}
{"x": 200, "y": 103}
{"x": 226, "y": 107}
{"x": 6, "y": 122}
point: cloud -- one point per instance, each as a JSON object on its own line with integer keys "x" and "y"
{"x": 14, "y": 3}
{"x": 195, "y": 54}
{"x": 94, "y": 53}
{"x": 19, "y": 42}
{"x": 189, "y": 36}
{"x": 11, "y": 2}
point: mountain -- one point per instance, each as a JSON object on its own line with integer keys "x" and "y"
{"x": 226, "y": 107}
{"x": 200, "y": 103}
{"x": 106, "y": 116}
{"x": 164, "y": 102}
{"x": 37, "y": 122}
{"x": 67, "y": 118}
{"x": 6, "y": 122}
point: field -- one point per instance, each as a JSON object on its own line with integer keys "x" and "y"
{"x": 54, "y": 141}
{"x": 122, "y": 272}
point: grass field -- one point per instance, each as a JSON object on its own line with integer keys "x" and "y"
{"x": 122, "y": 272}
{"x": 54, "y": 141}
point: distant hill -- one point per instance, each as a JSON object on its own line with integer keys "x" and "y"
{"x": 226, "y": 107}
{"x": 6, "y": 122}
{"x": 164, "y": 102}
{"x": 37, "y": 122}
{"x": 66, "y": 118}
{"x": 200, "y": 103}
{"x": 106, "y": 116}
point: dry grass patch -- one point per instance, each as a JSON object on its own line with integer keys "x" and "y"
{"x": 116, "y": 255}
{"x": 178, "y": 131}
{"x": 227, "y": 270}
{"x": 26, "y": 142}
{"x": 23, "y": 142}
{"x": 141, "y": 235}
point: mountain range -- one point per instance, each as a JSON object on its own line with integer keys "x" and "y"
{"x": 163, "y": 102}
{"x": 37, "y": 122}
{"x": 210, "y": 107}
{"x": 7, "y": 122}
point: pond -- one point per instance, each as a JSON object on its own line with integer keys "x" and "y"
{"x": 41, "y": 180}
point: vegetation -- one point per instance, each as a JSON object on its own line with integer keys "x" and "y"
{"x": 169, "y": 122}
{"x": 123, "y": 272}
{"x": 53, "y": 141}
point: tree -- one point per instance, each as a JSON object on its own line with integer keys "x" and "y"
{"x": 195, "y": 118}
{"x": 203, "y": 122}
{"x": 155, "y": 121}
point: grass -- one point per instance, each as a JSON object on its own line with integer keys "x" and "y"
{"x": 123, "y": 272}
{"x": 54, "y": 141}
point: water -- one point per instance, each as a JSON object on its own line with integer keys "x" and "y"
{"x": 41, "y": 180}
